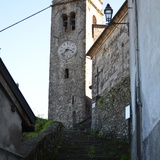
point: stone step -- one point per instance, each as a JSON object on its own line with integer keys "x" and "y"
{"x": 86, "y": 157}
{"x": 73, "y": 136}
{"x": 95, "y": 152}
{"x": 78, "y": 145}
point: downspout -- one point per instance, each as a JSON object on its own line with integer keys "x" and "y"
{"x": 138, "y": 97}
{"x": 137, "y": 59}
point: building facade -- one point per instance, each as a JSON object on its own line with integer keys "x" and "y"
{"x": 110, "y": 76}
{"x": 145, "y": 76}
{"x": 71, "y": 24}
{"x": 16, "y": 116}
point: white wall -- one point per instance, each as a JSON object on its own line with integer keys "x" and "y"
{"x": 149, "y": 41}
{"x": 149, "y": 68}
{"x": 89, "y": 39}
{"x": 91, "y": 10}
{"x": 149, "y": 56}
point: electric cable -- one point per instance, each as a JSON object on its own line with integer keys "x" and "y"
{"x": 25, "y": 18}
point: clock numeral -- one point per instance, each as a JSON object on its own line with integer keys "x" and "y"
{"x": 74, "y": 48}
{"x": 68, "y": 43}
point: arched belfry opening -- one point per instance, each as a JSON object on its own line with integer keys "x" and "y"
{"x": 73, "y": 20}
{"x": 94, "y": 20}
{"x": 65, "y": 21}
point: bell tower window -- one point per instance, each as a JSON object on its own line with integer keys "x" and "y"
{"x": 72, "y": 20}
{"x": 65, "y": 22}
{"x": 66, "y": 74}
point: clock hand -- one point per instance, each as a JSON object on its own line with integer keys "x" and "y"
{"x": 66, "y": 50}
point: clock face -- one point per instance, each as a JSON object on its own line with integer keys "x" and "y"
{"x": 67, "y": 50}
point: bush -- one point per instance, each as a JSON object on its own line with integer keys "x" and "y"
{"x": 40, "y": 126}
{"x": 124, "y": 157}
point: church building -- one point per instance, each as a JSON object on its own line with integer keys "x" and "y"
{"x": 71, "y": 37}
{"x": 110, "y": 76}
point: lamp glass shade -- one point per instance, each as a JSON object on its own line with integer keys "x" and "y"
{"x": 108, "y": 12}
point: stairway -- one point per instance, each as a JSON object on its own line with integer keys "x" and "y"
{"x": 79, "y": 145}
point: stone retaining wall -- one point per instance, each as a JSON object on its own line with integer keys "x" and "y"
{"x": 110, "y": 111}
{"x": 45, "y": 146}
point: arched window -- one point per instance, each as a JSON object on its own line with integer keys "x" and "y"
{"x": 94, "y": 20}
{"x": 65, "y": 21}
{"x": 66, "y": 74}
{"x": 73, "y": 20}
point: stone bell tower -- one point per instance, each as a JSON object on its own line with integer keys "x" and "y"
{"x": 71, "y": 31}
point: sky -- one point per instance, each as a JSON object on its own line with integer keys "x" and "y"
{"x": 25, "y": 47}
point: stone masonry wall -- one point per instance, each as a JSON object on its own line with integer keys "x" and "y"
{"x": 67, "y": 94}
{"x": 110, "y": 82}
{"x": 111, "y": 64}
{"x": 45, "y": 146}
{"x": 110, "y": 110}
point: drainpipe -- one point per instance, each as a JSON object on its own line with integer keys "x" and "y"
{"x": 138, "y": 97}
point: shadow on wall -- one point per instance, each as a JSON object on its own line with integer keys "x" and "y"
{"x": 88, "y": 107}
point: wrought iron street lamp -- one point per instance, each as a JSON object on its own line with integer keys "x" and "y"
{"x": 108, "y": 12}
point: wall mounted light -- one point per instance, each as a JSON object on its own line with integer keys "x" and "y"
{"x": 108, "y": 12}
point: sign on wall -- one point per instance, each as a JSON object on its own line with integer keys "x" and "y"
{"x": 127, "y": 112}
{"x": 93, "y": 105}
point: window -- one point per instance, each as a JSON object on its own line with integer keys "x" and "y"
{"x": 72, "y": 99}
{"x": 66, "y": 74}
{"x": 74, "y": 117}
{"x": 72, "y": 20}
{"x": 94, "y": 20}
{"x": 65, "y": 21}
{"x": 69, "y": 22}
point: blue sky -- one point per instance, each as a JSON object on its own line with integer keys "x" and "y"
{"x": 25, "y": 48}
